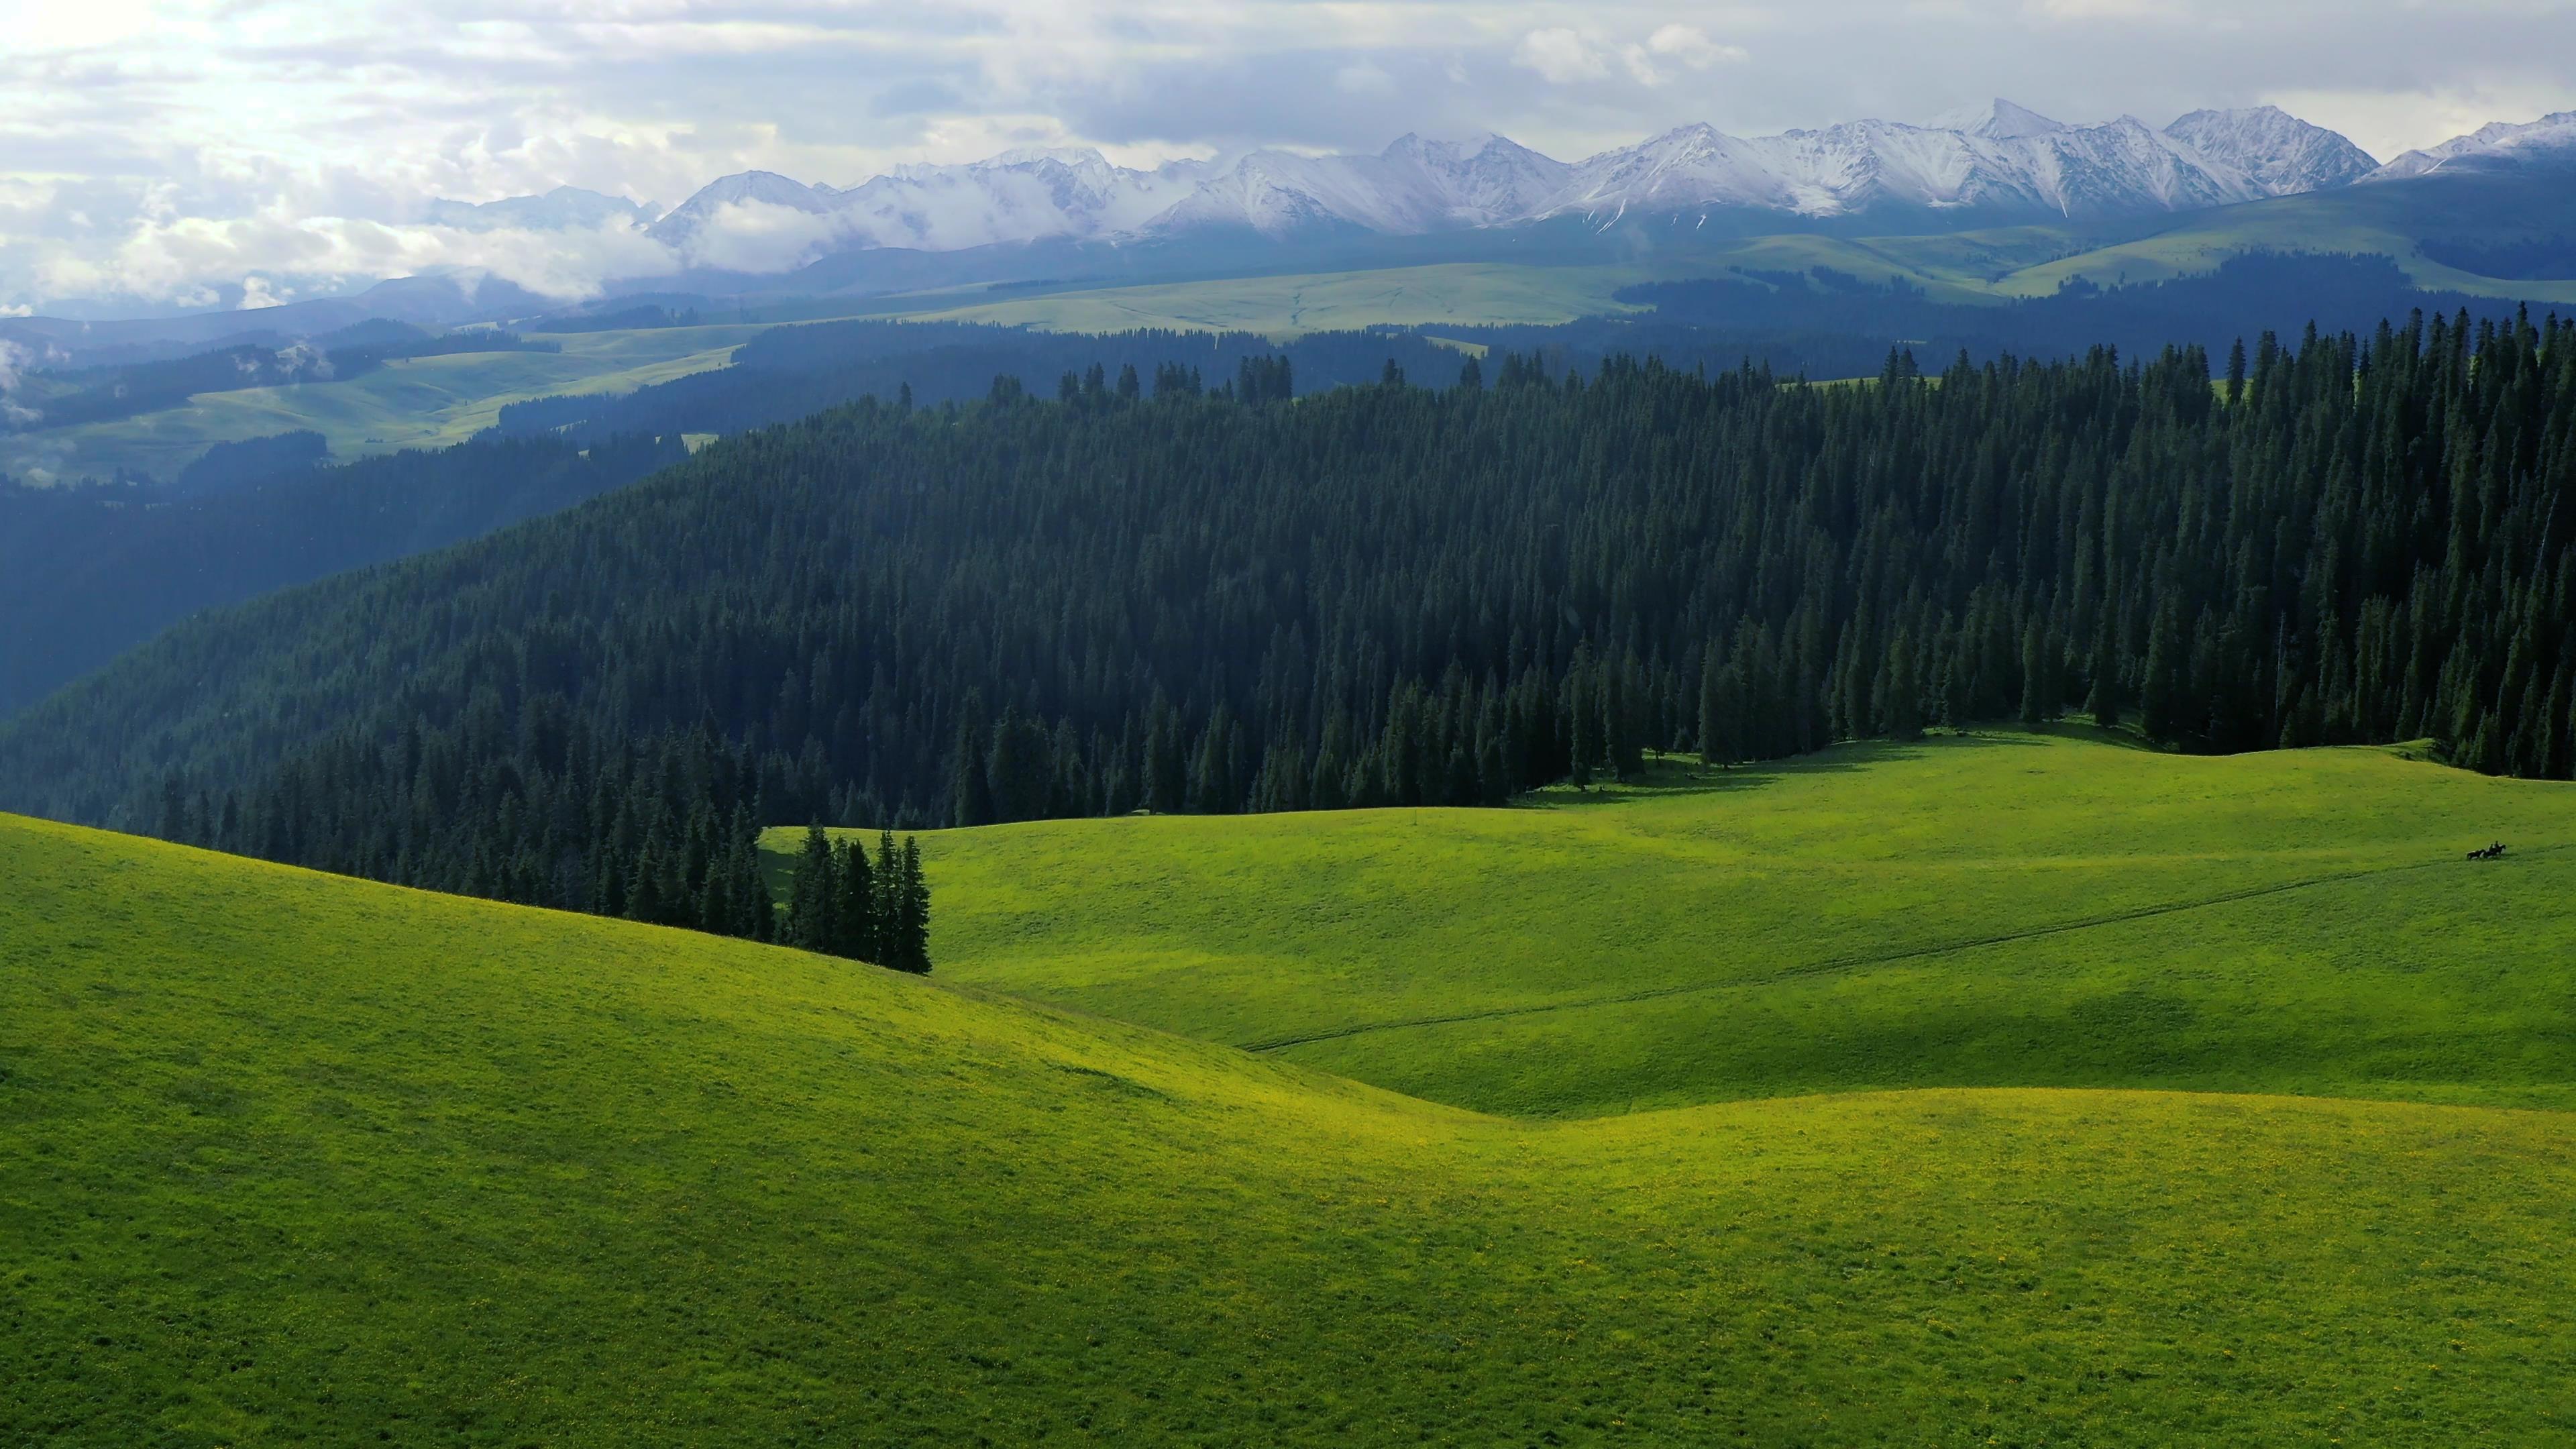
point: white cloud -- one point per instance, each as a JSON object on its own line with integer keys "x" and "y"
{"x": 756, "y": 236}
{"x": 1364, "y": 78}
{"x": 14, "y": 359}
{"x": 1565, "y": 56}
{"x": 1561, "y": 56}
{"x": 166, "y": 149}
{"x": 1691, "y": 46}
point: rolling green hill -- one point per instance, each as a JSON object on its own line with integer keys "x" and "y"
{"x": 295, "y": 1159}
{"x": 2003, "y": 909}
{"x": 2392, "y": 219}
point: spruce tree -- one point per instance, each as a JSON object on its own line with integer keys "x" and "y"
{"x": 854, "y": 913}
{"x": 972, "y": 792}
{"x": 2039, "y": 698}
{"x": 812, "y": 895}
{"x": 2161, "y": 700}
{"x": 2104, "y": 701}
{"x": 1710, "y": 736}
{"x": 1901, "y": 702}
{"x": 912, "y": 914}
{"x": 1583, "y": 716}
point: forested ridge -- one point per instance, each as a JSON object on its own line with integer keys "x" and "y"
{"x": 1380, "y": 595}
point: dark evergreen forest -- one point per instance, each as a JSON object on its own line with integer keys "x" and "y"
{"x": 1128, "y": 596}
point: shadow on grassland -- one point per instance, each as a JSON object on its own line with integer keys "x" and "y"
{"x": 1682, "y": 774}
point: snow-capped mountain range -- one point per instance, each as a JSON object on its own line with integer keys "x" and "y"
{"x": 2549, "y": 139}
{"x": 1999, "y": 162}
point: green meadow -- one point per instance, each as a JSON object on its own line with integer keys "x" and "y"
{"x": 420, "y": 402}
{"x": 1456, "y": 293}
{"x": 1830, "y": 1103}
{"x": 2006, "y": 908}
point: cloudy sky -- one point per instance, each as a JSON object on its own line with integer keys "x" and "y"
{"x": 151, "y": 150}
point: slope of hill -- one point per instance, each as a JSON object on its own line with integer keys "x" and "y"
{"x": 2413, "y": 221}
{"x": 423, "y": 402}
{"x": 2000, "y": 909}
{"x": 290, "y": 1158}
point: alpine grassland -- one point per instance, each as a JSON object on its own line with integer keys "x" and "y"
{"x": 2005, "y": 908}
{"x": 419, "y": 402}
{"x": 294, "y": 1158}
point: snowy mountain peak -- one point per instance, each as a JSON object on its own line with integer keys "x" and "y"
{"x": 1997, "y": 120}
{"x": 2277, "y": 151}
{"x": 1076, "y": 157}
{"x": 2552, "y": 138}
{"x": 1999, "y": 160}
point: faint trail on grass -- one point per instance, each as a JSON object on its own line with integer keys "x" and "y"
{"x": 1858, "y": 961}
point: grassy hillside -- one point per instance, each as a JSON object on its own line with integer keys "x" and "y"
{"x": 292, "y": 1159}
{"x": 1959, "y": 267}
{"x": 2005, "y": 909}
{"x": 1462, "y": 293}
{"x": 2394, "y": 220}
{"x": 410, "y": 403}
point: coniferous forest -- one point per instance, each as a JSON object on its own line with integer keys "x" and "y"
{"x": 1122, "y": 594}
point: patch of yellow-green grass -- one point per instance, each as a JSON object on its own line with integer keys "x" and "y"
{"x": 1454, "y": 294}
{"x": 422, "y": 402}
{"x": 292, "y": 1159}
{"x": 2003, "y": 909}
{"x": 2381, "y": 220}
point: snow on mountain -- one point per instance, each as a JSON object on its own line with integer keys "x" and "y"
{"x": 2000, "y": 158}
{"x": 1016, "y": 196}
{"x": 1997, "y": 120}
{"x": 2551, "y": 138}
{"x": 2004, "y": 159}
{"x": 1413, "y": 186}
{"x": 566, "y": 208}
{"x": 2278, "y": 151}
